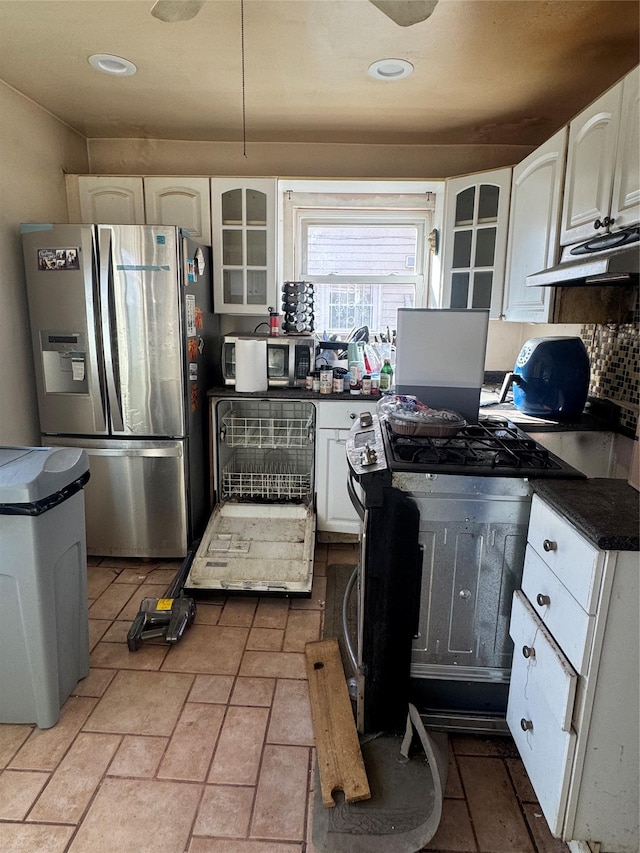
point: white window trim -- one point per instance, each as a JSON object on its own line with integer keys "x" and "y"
{"x": 331, "y": 217}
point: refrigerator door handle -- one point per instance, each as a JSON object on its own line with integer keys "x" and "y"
{"x": 95, "y": 383}
{"x": 104, "y": 252}
{"x": 154, "y": 452}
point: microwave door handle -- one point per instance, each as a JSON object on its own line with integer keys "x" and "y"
{"x": 108, "y": 342}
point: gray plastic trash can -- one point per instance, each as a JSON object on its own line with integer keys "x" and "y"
{"x": 44, "y": 619}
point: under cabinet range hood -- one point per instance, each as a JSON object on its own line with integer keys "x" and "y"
{"x": 610, "y": 259}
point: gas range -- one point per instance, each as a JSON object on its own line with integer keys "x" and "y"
{"x": 493, "y": 447}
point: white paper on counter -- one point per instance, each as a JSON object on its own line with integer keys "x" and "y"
{"x": 251, "y": 365}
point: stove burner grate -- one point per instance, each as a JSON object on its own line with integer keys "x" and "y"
{"x": 495, "y": 444}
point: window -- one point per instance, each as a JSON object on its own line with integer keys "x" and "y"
{"x": 364, "y": 263}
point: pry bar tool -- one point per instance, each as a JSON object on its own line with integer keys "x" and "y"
{"x": 167, "y": 617}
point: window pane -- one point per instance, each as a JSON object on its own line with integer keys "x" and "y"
{"x": 232, "y": 287}
{"x": 257, "y": 248}
{"x": 482, "y": 282}
{"x": 256, "y": 287}
{"x": 485, "y": 247}
{"x": 462, "y": 249}
{"x": 360, "y": 250}
{"x": 464, "y": 206}
{"x": 232, "y": 207}
{"x": 459, "y": 289}
{"x": 231, "y": 248}
{"x": 488, "y": 203}
{"x": 343, "y": 307}
{"x": 256, "y": 208}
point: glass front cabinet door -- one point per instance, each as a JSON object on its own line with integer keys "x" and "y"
{"x": 476, "y": 221}
{"x": 244, "y": 244}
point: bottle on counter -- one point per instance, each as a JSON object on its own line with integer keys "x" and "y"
{"x": 386, "y": 375}
{"x": 366, "y": 385}
{"x": 274, "y": 323}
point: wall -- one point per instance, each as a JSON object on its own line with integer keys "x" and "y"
{"x": 35, "y": 149}
{"x": 172, "y": 157}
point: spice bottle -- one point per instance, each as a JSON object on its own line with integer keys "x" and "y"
{"x": 274, "y": 323}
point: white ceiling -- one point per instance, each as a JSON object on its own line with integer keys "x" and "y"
{"x": 486, "y": 71}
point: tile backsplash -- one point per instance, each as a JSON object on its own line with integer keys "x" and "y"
{"x": 614, "y": 353}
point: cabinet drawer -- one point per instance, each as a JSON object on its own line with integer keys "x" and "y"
{"x": 549, "y": 677}
{"x": 546, "y": 750}
{"x": 576, "y": 562}
{"x": 342, "y": 415}
{"x": 571, "y": 626}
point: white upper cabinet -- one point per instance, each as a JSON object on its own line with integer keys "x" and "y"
{"x": 244, "y": 244}
{"x": 180, "y": 201}
{"x": 534, "y": 224}
{"x": 625, "y": 205}
{"x": 475, "y": 239}
{"x": 602, "y": 188}
{"x": 109, "y": 200}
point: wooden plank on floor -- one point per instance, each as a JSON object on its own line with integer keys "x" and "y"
{"x": 339, "y": 757}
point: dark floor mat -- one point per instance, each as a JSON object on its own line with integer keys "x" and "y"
{"x": 405, "y": 806}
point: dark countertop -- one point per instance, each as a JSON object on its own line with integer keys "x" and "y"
{"x": 604, "y": 511}
{"x": 595, "y": 417}
{"x": 285, "y": 393}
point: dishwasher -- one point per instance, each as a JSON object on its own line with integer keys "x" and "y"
{"x": 261, "y": 534}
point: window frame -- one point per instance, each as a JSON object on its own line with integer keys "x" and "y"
{"x": 306, "y": 217}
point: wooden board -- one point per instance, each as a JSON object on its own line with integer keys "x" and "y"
{"x": 339, "y": 757}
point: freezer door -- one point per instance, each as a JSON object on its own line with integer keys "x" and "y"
{"x": 60, "y": 271}
{"x": 143, "y": 329}
{"x": 136, "y": 499}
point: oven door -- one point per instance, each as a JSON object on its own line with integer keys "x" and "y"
{"x": 388, "y": 587}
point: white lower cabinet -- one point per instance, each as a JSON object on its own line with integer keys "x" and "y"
{"x": 573, "y": 696}
{"x": 334, "y": 419}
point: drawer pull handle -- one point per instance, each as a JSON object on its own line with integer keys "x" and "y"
{"x": 528, "y": 651}
{"x": 550, "y": 545}
{"x": 543, "y": 600}
{"x": 526, "y": 725}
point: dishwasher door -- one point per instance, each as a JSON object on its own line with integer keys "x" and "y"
{"x": 261, "y": 535}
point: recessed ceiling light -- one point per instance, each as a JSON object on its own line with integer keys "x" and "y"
{"x": 109, "y": 64}
{"x": 390, "y": 69}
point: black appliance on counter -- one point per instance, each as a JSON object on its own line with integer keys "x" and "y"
{"x": 443, "y": 533}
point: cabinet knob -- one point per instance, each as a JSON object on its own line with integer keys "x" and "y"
{"x": 526, "y": 725}
{"x": 352, "y": 415}
{"x": 550, "y": 545}
{"x": 598, "y": 224}
{"x": 543, "y": 600}
{"x": 528, "y": 652}
{"x": 608, "y": 220}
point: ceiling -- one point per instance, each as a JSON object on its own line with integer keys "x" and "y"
{"x": 486, "y": 71}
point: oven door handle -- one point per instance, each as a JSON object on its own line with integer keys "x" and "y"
{"x": 417, "y": 592}
{"x": 355, "y": 500}
{"x": 345, "y": 619}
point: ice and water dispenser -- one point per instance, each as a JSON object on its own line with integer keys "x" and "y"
{"x": 64, "y": 367}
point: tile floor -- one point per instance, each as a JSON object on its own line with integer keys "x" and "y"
{"x": 207, "y": 746}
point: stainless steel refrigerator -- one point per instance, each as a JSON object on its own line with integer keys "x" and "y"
{"x": 124, "y": 340}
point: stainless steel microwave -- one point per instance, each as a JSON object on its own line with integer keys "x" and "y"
{"x": 289, "y": 359}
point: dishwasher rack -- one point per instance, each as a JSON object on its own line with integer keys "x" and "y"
{"x": 269, "y": 447}
{"x": 274, "y": 475}
{"x": 248, "y": 427}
